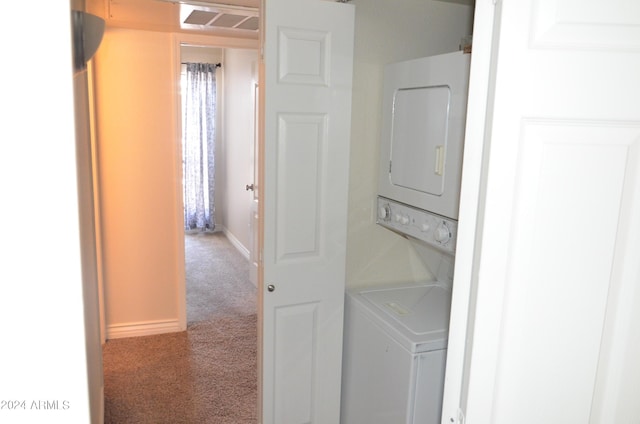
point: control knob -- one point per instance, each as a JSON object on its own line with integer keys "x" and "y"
{"x": 442, "y": 233}
{"x": 384, "y": 213}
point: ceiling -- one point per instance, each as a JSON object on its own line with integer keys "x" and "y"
{"x": 231, "y": 18}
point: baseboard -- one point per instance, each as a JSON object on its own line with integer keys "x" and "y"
{"x": 146, "y": 328}
{"x": 243, "y": 250}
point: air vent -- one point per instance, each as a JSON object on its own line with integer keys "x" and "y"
{"x": 201, "y": 17}
{"x": 251, "y": 24}
{"x": 228, "y": 21}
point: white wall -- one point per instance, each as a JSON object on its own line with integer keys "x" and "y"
{"x": 387, "y": 31}
{"x": 43, "y": 355}
{"x": 237, "y": 148}
{"x": 138, "y": 151}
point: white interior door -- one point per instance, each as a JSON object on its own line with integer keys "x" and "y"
{"x": 554, "y": 331}
{"x": 308, "y": 54}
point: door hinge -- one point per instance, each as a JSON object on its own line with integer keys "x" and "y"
{"x": 389, "y": 167}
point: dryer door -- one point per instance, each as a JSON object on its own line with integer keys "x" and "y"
{"x": 419, "y": 138}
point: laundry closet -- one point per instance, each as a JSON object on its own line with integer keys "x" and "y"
{"x": 397, "y": 312}
{"x": 396, "y": 335}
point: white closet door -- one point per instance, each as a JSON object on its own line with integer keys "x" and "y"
{"x": 556, "y": 302}
{"x": 308, "y": 70}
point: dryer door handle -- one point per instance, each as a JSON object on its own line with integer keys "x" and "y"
{"x": 439, "y": 165}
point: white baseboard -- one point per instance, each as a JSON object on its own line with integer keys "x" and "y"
{"x": 246, "y": 253}
{"x": 243, "y": 250}
{"x": 145, "y": 328}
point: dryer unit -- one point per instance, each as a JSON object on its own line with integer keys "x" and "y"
{"x": 422, "y": 138}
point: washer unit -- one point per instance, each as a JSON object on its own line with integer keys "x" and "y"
{"x": 396, "y": 339}
{"x": 395, "y": 343}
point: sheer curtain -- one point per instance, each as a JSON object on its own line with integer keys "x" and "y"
{"x": 198, "y": 145}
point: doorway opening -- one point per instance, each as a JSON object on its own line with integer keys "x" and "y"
{"x": 221, "y": 290}
{"x": 233, "y": 199}
{"x": 207, "y": 373}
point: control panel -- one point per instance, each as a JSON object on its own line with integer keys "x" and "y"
{"x": 423, "y": 225}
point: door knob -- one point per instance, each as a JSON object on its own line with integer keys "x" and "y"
{"x": 271, "y": 287}
{"x": 249, "y": 187}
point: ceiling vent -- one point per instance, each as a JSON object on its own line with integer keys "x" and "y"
{"x": 240, "y": 15}
{"x": 197, "y": 17}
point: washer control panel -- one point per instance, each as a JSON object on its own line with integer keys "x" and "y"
{"x": 423, "y": 225}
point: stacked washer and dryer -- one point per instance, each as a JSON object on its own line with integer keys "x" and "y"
{"x": 396, "y": 335}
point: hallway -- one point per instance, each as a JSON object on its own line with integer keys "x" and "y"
{"x": 204, "y": 375}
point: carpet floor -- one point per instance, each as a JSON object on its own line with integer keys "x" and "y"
{"x": 205, "y": 375}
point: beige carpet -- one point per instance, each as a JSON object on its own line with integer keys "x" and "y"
{"x": 204, "y": 375}
{"x": 217, "y": 279}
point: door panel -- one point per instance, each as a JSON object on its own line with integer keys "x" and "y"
{"x": 308, "y": 50}
{"x": 555, "y": 318}
{"x": 295, "y": 372}
{"x": 301, "y": 141}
